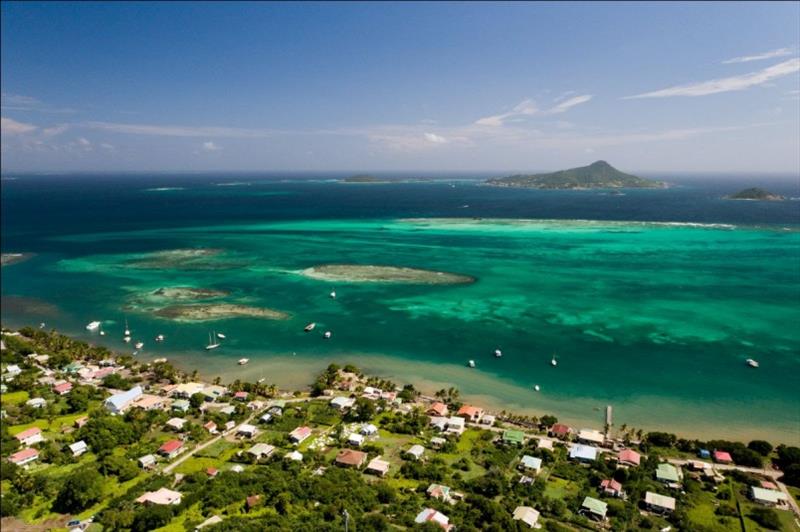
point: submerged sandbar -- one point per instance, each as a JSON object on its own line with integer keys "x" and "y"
{"x": 362, "y": 273}
{"x": 181, "y": 293}
{"x": 199, "y": 258}
{"x": 7, "y": 259}
{"x": 207, "y": 312}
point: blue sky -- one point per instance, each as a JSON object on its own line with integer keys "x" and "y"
{"x": 437, "y": 87}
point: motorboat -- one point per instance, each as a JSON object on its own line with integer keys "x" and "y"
{"x": 309, "y": 327}
{"x": 220, "y": 336}
{"x": 471, "y": 363}
{"x": 139, "y": 345}
{"x": 93, "y": 326}
{"x": 160, "y": 338}
{"x": 243, "y": 361}
{"x": 536, "y": 387}
{"x": 333, "y": 294}
{"x": 327, "y": 334}
{"x": 498, "y": 353}
{"x": 752, "y": 363}
{"x": 553, "y": 361}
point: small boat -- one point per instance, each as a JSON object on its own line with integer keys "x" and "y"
{"x": 243, "y": 361}
{"x": 139, "y": 345}
{"x": 93, "y": 326}
{"x": 220, "y": 336}
{"x": 159, "y": 361}
{"x": 752, "y": 363}
{"x": 160, "y": 338}
{"x": 212, "y": 344}
{"x": 553, "y": 361}
{"x": 498, "y": 353}
{"x": 127, "y": 339}
{"x": 327, "y": 334}
{"x": 309, "y": 327}
{"x": 262, "y": 379}
{"x": 127, "y": 330}
{"x": 471, "y": 363}
{"x": 135, "y": 353}
{"x": 333, "y": 294}
{"x": 102, "y": 332}
{"x": 42, "y": 325}
{"x": 536, "y": 387}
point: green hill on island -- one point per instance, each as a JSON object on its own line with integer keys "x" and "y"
{"x": 599, "y": 174}
{"x": 755, "y": 193}
{"x": 363, "y": 178}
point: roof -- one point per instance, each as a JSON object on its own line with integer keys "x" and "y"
{"x": 531, "y": 462}
{"x": 24, "y": 454}
{"x": 210, "y": 425}
{"x": 63, "y": 387}
{"x": 438, "y": 407}
{"x": 526, "y": 514}
{"x": 147, "y": 459}
{"x": 544, "y": 443}
{"x": 661, "y": 501}
{"x": 162, "y": 496}
{"x": 252, "y": 500}
{"x": 560, "y": 429}
{"x": 28, "y": 433}
{"x": 294, "y": 455}
{"x": 239, "y": 394}
{"x": 594, "y": 436}
{"x": 78, "y": 446}
{"x": 148, "y": 401}
{"x": 583, "y": 452}
{"x": 470, "y": 411}
{"x": 376, "y": 464}
{"x": 667, "y": 472}
{"x": 429, "y": 514}
{"x": 722, "y": 456}
{"x": 171, "y": 446}
{"x": 611, "y": 484}
{"x": 261, "y": 449}
{"x": 771, "y": 496}
{"x": 213, "y": 520}
{"x": 355, "y": 437}
{"x": 629, "y": 455}
{"x": 416, "y": 450}
{"x": 246, "y": 427}
{"x": 181, "y": 403}
{"x": 351, "y": 457}
{"x": 343, "y": 402}
{"x": 513, "y": 436}
{"x": 177, "y": 422}
{"x": 595, "y": 506}
{"x": 300, "y": 432}
{"x": 120, "y": 400}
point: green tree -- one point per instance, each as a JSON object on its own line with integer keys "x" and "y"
{"x": 151, "y": 518}
{"x": 78, "y": 399}
{"x": 80, "y": 490}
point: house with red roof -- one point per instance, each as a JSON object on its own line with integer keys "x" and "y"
{"x": 212, "y": 472}
{"x": 437, "y": 409}
{"x": 63, "y": 388}
{"x": 723, "y": 457}
{"x": 24, "y": 457}
{"x": 240, "y": 396}
{"x": 211, "y": 427}
{"x": 470, "y": 413}
{"x": 299, "y": 434}
{"x": 629, "y": 458}
{"x": 612, "y": 488}
{"x": 559, "y": 430}
{"x": 351, "y": 458}
{"x": 30, "y": 436}
{"x": 171, "y": 449}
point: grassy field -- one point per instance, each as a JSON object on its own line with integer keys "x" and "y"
{"x": 14, "y": 398}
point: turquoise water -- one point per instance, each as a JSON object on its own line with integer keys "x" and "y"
{"x": 656, "y": 319}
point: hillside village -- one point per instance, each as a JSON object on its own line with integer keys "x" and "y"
{"x": 95, "y": 441}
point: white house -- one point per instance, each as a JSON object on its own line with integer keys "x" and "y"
{"x": 531, "y": 463}
{"x": 163, "y": 496}
{"x": 176, "y": 423}
{"x": 147, "y": 461}
{"x": 261, "y": 450}
{"x": 117, "y": 404}
{"x": 429, "y": 514}
{"x": 78, "y": 448}
{"x": 342, "y": 403}
{"x": 246, "y": 430}
{"x": 369, "y": 429}
{"x": 36, "y": 402}
{"x": 527, "y": 515}
{"x": 30, "y": 436}
{"x": 415, "y": 452}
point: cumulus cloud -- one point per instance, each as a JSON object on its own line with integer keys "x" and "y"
{"x": 210, "y": 146}
{"x": 436, "y": 139}
{"x": 9, "y": 126}
{"x": 780, "y": 52}
{"x": 733, "y": 83}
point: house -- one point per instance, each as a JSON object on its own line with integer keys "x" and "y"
{"x": 378, "y": 467}
{"x": 261, "y": 450}
{"x": 704, "y": 453}
{"x": 295, "y": 456}
{"x": 530, "y": 463}
{"x": 433, "y": 516}
{"x": 455, "y": 425}
{"x": 439, "y": 423}
{"x": 171, "y": 449}
{"x": 228, "y": 410}
{"x": 668, "y": 474}
{"x": 24, "y": 457}
{"x": 487, "y": 419}
{"x": 13, "y": 370}
{"x": 659, "y": 503}
{"x": 470, "y": 413}
{"x": 176, "y": 423}
{"x": 246, "y": 430}
{"x": 181, "y": 405}
{"x": 187, "y": 389}
{"x": 591, "y": 437}
{"x": 147, "y": 461}
{"x": 236, "y": 468}
{"x": 212, "y": 472}
{"x": 73, "y": 367}
{"x": 266, "y": 418}
{"x": 300, "y": 434}
{"x": 211, "y": 427}
{"x": 342, "y": 403}
{"x": 78, "y": 448}
{"x": 211, "y": 521}
{"x": 163, "y": 496}
{"x": 583, "y": 453}
{"x": 212, "y": 392}
{"x": 697, "y": 465}
{"x": 443, "y": 493}
{"x": 513, "y": 437}
{"x": 351, "y": 458}
{"x": 63, "y": 388}
{"x": 437, "y": 409}
{"x": 723, "y": 457}
{"x": 768, "y": 497}
{"x": 372, "y": 393}
{"x": 527, "y": 515}
{"x": 36, "y": 402}
{"x": 81, "y": 421}
{"x": 559, "y": 430}
{"x": 594, "y": 509}
{"x": 240, "y": 396}
{"x": 118, "y": 403}
{"x": 30, "y": 436}
{"x": 229, "y": 425}
{"x": 369, "y": 429}
{"x": 252, "y": 501}
{"x": 355, "y": 439}
{"x": 629, "y": 458}
{"x": 612, "y": 488}
{"x": 544, "y": 443}
{"x": 255, "y": 405}
{"x": 415, "y": 452}
{"x": 150, "y": 402}
{"x": 437, "y": 442}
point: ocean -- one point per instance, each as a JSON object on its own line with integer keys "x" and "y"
{"x": 651, "y": 300}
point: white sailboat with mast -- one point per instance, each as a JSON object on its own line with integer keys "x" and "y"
{"x": 212, "y": 344}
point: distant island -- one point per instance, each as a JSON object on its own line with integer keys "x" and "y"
{"x": 599, "y": 174}
{"x": 755, "y": 194}
{"x": 363, "y": 178}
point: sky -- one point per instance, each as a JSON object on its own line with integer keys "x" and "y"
{"x": 494, "y": 87}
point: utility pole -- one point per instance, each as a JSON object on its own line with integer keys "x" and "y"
{"x": 346, "y": 520}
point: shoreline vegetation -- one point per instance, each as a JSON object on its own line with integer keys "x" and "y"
{"x": 107, "y": 442}
{"x": 598, "y": 175}
{"x": 755, "y": 194}
{"x": 358, "y": 273}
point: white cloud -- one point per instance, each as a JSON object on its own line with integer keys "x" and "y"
{"x": 210, "y": 146}
{"x": 107, "y": 146}
{"x": 19, "y": 102}
{"x": 55, "y": 130}
{"x": 180, "y": 131}
{"x": 529, "y": 108}
{"x": 780, "y": 52}
{"x": 733, "y": 83}
{"x": 84, "y": 142}
{"x": 436, "y": 139}
{"x": 9, "y": 126}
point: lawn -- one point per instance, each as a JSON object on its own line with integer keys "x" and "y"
{"x": 54, "y": 427}
{"x": 195, "y": 464}
{"x": 558, "y": 488}
{"x": 14, "y": 398}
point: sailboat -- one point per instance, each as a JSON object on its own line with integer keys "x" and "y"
{"x": 498, "y": 353}
{"x": 212, "y": 344}
{"x": 553, "y": 361}
{"x": 127, "y": 335}
{"x": 333, "y": 294}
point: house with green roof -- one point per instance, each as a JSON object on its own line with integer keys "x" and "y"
{"x": 514, "y": 437}
{"x": 668, "y": 474}
{"x": 594, "y": 509}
